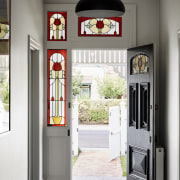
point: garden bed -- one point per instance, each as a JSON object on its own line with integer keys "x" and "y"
{"x": 96, "y": 111}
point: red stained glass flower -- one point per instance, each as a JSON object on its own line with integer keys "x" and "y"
{"x": 100, "y": 24}
{"x": 57, "y": 22}
{"x": 52, "y": 99}
{"x": 57, "y": 66}
{"x": 61, "y": 99}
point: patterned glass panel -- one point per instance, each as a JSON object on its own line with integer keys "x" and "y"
{"x": 100, "y": 26}
{"x": 140, "y": 64}
{"x": 57, "y": 87}
{"x": 57, "y": 26}
{"x": 4, "y": 31}
{"x": 5, "y": 39}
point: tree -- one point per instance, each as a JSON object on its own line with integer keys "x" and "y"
{"x": 111, "y": 86}
{"x": 76, "y": 83}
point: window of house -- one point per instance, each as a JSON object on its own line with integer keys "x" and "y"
{"x": 85, "y": 91}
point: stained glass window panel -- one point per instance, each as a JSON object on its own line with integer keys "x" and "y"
{"x": 140, "y": 64}
{"x": 100, "y": 26}
{"x": 57, "y": 87}
{"x": 57, "y": 26}
{"x": 4, "y": 31}
{"x": 4, "y": 65}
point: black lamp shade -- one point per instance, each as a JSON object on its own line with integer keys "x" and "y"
{"x": 100, "y": 8}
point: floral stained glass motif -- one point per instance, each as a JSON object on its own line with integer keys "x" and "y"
{"x": 57, "y": 26}
{"x": 100, "y": 26}
{"x": 57, "y": 87}
{"x": 4, "y": 31}
{"x": 140, "y": 64}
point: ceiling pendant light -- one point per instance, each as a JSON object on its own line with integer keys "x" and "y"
{"x": 100, "y": 8}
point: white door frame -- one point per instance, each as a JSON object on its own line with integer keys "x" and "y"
{"x": 178, "y": 95}
{"x": 56, "y": 139}
{"x": 33, "y": 110}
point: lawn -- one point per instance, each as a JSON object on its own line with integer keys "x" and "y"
{"x": 74, "y": 159}
{"x": 124, "y": 165}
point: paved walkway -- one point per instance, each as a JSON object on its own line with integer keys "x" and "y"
{"x": 97, "y": 178}
{"x": 95, "y": 165}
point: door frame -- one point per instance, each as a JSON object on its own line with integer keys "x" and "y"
{"x": 75, "y": 42}
{"x": 178, "y": 95}
{"x": 33, "y": 110}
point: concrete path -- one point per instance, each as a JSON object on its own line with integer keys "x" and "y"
{"x": 95, "y": 165}
{"x": 97, "y": 178}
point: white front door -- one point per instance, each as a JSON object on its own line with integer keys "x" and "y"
{"x": 114, "y": 132}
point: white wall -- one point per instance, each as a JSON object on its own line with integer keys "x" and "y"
{"x": 147, "y": 19}
{"x": 26, "y": 18}
{"x": 169, "y": 63}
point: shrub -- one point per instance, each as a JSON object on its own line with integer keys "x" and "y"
{"x": 112, "y": 86}
{"x": 96, "y": 111}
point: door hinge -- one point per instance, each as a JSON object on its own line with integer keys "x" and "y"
{"x": 156, "y": 139}
{"x": 69, "y": 105}
{"x": 69, "y": 132}
{"x": 150, "y": 139}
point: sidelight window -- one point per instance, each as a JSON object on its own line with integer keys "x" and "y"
{"x": 57, "y": 87}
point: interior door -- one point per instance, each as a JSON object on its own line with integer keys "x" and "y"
{"x": 114, "y": 132}
{"x": 141, "y": 124}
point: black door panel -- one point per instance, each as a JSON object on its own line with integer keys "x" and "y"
{"x": 140, "y": 141}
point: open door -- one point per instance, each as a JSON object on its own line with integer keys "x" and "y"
{"x": 141, "y": 122}
{"x": 114, "y": 132}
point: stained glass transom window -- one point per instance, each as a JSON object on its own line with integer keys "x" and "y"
{"x": 140, "y": 64}
{"x": 100, "y": 26}
{"x": 57, "y": 87}
{"x": 57, "y": 26}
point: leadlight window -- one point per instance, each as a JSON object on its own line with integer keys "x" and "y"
{"x": 4, "y": 31}
{"x": 57, "y": 60}
{"x": 140, "y": 64}
{"x": 57, "y": 26}
{"x": 4, "y": 65}
{"x": 100, "y": 26}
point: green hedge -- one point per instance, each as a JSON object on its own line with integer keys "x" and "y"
{"x": 96, "y": 111}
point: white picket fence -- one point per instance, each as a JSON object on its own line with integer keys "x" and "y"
{"x": 123, "y": 142}
{"x": 75, "y": 114}
{"x": 123, "y": 128}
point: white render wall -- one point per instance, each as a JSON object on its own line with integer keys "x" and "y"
{"x": 26, "y": 19}
{"x": 169, "y": 82}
